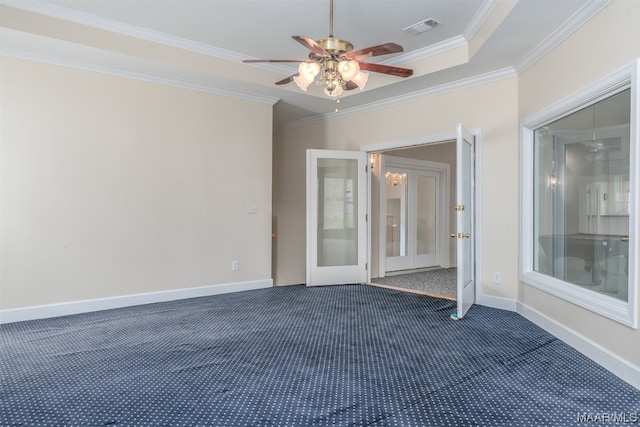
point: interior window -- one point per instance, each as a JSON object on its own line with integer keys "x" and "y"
{"x": 580, "y": 202}
{"x": 582, "y": 197}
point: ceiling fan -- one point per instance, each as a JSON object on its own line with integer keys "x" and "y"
{"x": 334, "y": 64}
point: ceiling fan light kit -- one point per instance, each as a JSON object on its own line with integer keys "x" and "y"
{"x": 348, "y": 69}
{"x": 335, "y": 66}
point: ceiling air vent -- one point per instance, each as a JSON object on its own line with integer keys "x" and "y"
{"x": 421, "y": 26}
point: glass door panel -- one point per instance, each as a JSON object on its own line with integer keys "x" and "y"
{"x": 337, "y": 213}
{"x": 426, "y": 199}
{"x": 397, "y": 219}
{"x": 465, "y": 217}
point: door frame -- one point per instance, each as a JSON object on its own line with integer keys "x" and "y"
{"x": 428, "y": 140}
{"x": 444, "y": 172}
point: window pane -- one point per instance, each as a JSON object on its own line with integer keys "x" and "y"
{"x": 397, "y": 219}
{"x": 581, "y": 197}
{"x": 426, "y": 200}
{"x": 337, "y": 212}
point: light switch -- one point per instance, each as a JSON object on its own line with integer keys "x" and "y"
{"x": 252, "y": 209}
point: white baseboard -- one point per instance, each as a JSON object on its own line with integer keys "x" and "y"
{"x": 75, "y": 307}
{"x": 496, "y": 302}
{"x": 621, "y": 368}
{"x": 616, "y": 365}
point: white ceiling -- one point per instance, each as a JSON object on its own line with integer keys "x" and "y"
{"x": 487, "y": 38}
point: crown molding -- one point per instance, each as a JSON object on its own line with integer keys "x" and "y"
{"x": 427, "y": 51}
{"x": 122, "y": 28}
{"x": 575, "y": 21}
{"x": 614, "y": 82}
{"x": 455, "y": 42}
{"x": 480, "y": 79}
{"x": 60, "y": 12}
{"x": 478, "y": 19}
{"x": 103, "y": 69}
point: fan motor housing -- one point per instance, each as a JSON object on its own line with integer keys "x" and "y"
{"x": 334, "y": 45}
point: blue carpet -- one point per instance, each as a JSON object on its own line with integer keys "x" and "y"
{"x": 296, "y": 356}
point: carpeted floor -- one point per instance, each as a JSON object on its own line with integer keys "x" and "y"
{"x": 296, "y": 356}
{"x": 440, "y": 282}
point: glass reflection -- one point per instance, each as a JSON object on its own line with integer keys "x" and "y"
{"x": 582, "y": 197}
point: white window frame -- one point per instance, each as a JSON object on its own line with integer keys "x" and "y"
{"x": 615, "y": 309}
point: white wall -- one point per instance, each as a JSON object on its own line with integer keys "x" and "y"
{"x": 606, "y": 43}
{"x": 113, "y": 187}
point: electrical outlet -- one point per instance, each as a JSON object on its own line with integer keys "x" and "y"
{"x": 497, "y": 277}
{"x": 235, "y": 265}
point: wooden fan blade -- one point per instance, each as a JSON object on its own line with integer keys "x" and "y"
{"x": 381, "y": 49}
{"x": 350, "y": 85}
{"x": 386, "y": 69}
{"x": 287, "y": 80}
{"x": 312, "y": 45}
{"x": 253, "y": 61}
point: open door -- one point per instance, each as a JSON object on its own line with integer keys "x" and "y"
{"x": 336, "y": 217}
{"x": 465, "y": 214}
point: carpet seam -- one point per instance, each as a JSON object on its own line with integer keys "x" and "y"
{"x": 464, "y": 380}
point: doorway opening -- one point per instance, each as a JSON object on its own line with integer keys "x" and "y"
{"x": 412, "y": 190}
{"x": 333, "y": 216}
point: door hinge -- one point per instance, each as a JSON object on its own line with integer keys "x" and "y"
{"x": 366, "y": 217}
{"x": 366, "y": 168}
{"x": 366, "y": 266}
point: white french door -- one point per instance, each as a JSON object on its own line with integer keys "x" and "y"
{"x": 412, "y": 220}
{"x": 337, "y": 227}
{"x": 336, "y": 217}
{"x": 465, "y": 224}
